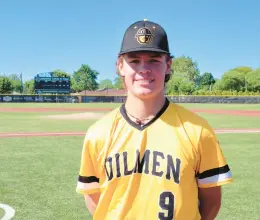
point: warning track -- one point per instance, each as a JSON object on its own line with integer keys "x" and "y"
{"x": 56, "y": 134}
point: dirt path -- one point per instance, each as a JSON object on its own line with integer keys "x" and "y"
{"x": 47, "y": 134}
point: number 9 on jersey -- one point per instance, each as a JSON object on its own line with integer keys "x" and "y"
{"x": 166, "y": 202}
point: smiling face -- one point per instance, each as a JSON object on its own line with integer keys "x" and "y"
{"x": 144, "y": 73}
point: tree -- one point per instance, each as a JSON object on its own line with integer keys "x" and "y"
{"x": 29, "y": 87}
{"x": 185, "y": 76}
{"x": 242, "y": 69}
{"x": 16, "y": 83}
{"x": 217, "y": 85}
{"x": 187, "y": 67}
{"x": 173, "y": 86}
{"x": 118, "y": 84}
{"x": 60, "y": 73}
{"x": 5, "y": 85}
{"x": 84, "y": 79}
{"x": 233, "y": 80}
{"x": 206, "y": 81}
{"x": 106, "y": 83}
{"x": 187, "y": 88}
{"x": 253, "y": 79}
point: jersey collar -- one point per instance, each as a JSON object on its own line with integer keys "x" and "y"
{"x": 142, "y": 127}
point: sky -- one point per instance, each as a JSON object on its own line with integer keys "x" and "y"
{"x": 41, "y": 36}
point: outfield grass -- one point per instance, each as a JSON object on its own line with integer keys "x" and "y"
{"x": 114, "y": 105}
{"x": 241, "y": 200}
{"x": 39, "y": 175}
{"x": 59, "y": 105}
{"x": 26, "y": 122}
{"x": 231, "y": 121}
{"x": 1, "y": 213}
{"x": 34, "y": 122}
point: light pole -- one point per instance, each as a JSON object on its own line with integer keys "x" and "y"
{"x": 21, "y": 79}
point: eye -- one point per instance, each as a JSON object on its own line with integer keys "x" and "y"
{"x": 134, "y": 61}
{"x": 153, "y": 61}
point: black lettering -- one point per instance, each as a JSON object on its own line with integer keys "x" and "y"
{"x": 118, "y": 173}
{"x": 166, "y": 202}
{"x": 139, "y": 165}
{"x": 156, "y": 163}
{"x": 126, "y": 171}
{"x": 172, "y": 169}
{"x": 109, "y": 160}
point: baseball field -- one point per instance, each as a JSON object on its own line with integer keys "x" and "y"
{"x": 40, "y": 148}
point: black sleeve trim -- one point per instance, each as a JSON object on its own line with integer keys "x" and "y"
{"x": 88, "y": 179}
{"x": 213, "y": 172}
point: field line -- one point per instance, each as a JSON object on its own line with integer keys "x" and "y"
{"x": 9, "y": 211}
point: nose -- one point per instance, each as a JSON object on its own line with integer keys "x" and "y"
{"x": 144, "y": 68}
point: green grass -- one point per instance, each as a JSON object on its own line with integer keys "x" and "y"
{"x": 24, "y": 122}
{"x": 34, "y": 122}
{"x": 2, "y": 213}
{"x": 222, "y": 106}
{"x": 114, "y": 105}
{"x": 231, "y": 121}
{"x": 59, "y": 105}
{"x": 38, "y": 175}
{"x": 241, "y": 199}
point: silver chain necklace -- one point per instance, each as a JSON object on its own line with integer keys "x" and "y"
{"x": 139, "y": 121}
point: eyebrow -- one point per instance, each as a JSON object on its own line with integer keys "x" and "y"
{"x": 157, "y": 55}
{"x": 131, "y": 55}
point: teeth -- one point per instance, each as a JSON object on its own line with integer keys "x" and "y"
{"x": 145, "y": 80}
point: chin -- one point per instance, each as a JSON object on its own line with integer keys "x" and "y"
{"x": 145, "y": 93}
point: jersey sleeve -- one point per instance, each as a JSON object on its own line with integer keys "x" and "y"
{"x": 212, "y": 169}
{"x": 88, "y": 179}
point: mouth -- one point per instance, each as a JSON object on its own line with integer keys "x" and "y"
{"x": 145, "y": 81}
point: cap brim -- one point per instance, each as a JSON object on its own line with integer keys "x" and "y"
{"x": 145, "y": 49}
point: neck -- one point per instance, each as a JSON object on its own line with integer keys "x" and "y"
{"x": 144, "y": 108}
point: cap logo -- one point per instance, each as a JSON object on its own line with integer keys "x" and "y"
{"x": 144, "y": 36}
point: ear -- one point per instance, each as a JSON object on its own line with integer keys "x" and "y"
{"x": 169, "y": 65}
{"x": 119, "y": 65}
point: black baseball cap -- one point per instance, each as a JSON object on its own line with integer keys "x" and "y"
{"x": 145, "y": 36}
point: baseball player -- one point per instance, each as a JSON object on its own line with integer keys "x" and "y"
{"x": 151, "y": 158}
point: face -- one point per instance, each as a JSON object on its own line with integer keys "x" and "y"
{"x": 144, "y": 73}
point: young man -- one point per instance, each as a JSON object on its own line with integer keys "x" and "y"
{"x": 151, "y": 159}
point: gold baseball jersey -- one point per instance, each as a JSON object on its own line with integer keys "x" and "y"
{"x": 153, "y": 171}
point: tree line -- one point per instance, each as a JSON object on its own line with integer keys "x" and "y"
{"x": 186, "y": 79}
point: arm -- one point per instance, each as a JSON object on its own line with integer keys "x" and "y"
{"x": 210, "y": 202}
{"x": 88, "y": 179}
{"x": 212, "y": 173}
{"x": 91, "y": 201}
